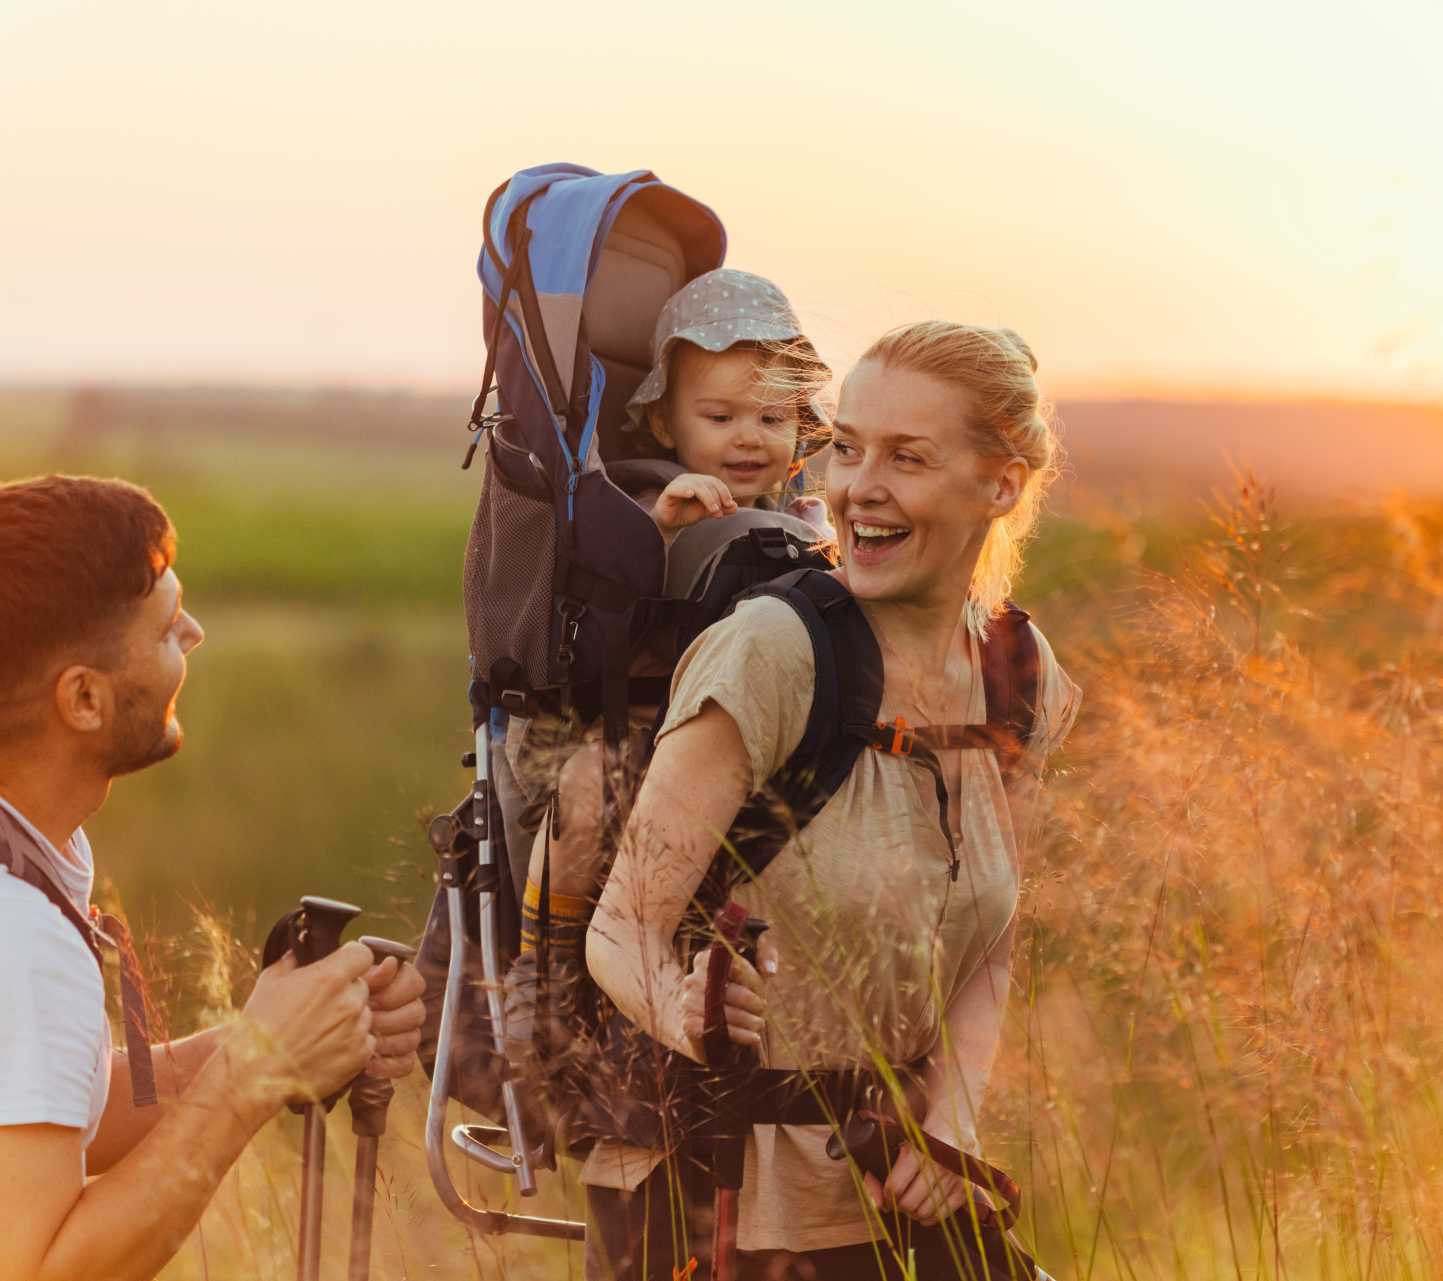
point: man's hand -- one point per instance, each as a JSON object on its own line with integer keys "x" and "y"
{"x": 309, "y": 1027}
{"x": 689, "y": 498}
{"x": 396, "y": 1017}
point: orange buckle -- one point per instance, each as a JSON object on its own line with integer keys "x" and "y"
{"x": 681, "y": 1274}
{"x": 904, "y": 737}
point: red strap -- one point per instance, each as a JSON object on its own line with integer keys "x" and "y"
{"x": 133, "y": 1008}
{"x": 728, "y": 924}
{"x": 111, "y": 931}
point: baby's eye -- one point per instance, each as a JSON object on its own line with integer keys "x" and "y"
{"x": 720, "y": 418}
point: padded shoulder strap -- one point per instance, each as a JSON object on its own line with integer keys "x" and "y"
{"x": 847, "y": 691}
{"x": 1010, "y": 681}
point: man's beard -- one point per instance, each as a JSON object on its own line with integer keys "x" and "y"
{"x": 146, "y": 732}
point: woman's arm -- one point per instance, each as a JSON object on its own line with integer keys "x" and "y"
{"x": 695, "y": 785}
{"x": 957, "y": 1078}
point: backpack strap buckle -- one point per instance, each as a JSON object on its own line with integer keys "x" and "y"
{"x": 896, "y": 739}
{"x": 773, "y": 543}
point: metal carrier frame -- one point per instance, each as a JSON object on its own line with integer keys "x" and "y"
{"x": 475, "y": 1141}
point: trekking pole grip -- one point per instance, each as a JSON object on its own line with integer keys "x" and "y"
{"x": 311, "y": 932}
{"x": 371, "y": 1095}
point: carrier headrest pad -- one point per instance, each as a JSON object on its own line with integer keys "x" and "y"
{"x": 643, "y": 262}
{"x": 697, "y": 545}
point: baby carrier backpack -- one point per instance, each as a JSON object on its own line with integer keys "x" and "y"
{"x": 565, "y": 573}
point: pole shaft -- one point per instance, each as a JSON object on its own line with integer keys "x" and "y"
{"x": 362, "y": 1209}
{"x": 313, "y": 1182}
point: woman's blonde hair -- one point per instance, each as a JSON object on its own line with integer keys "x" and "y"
{"x": 1008, "y": 419}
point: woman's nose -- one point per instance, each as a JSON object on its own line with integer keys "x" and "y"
{"x": 867, "y": 482}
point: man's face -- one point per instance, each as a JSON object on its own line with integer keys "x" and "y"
{"x": 145, "y": 685}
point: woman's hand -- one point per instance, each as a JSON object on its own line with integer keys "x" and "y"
{"x": 689, "y": 498}
{"x": 923, "y": 1190}
{"x": 745, "y": 1000}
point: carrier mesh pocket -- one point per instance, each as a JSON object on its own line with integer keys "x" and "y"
{"x": 509, "y": 570}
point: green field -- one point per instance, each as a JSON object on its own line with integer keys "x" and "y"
{"x": 1219, "y": 1057}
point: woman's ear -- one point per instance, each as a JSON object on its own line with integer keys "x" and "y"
{"x": 1011, "y": 481}
{"x": 656, "y": 420}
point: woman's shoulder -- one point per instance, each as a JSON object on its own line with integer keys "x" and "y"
{"x": 762, "y": 625}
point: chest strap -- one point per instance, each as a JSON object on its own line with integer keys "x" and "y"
{"x": 99, "y": 930}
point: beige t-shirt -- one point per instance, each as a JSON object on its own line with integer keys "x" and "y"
{"x": 874, "y": 937}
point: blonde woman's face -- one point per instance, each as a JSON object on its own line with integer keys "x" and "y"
{"x": 721, "y": 423}
{"x": 911, "y": 496}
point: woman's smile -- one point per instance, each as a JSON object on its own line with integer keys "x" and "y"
{"x": 874, "y": 542}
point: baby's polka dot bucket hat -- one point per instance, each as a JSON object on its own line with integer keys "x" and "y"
{"x": 716, "y": 311}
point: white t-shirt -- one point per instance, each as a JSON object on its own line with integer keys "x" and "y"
{"x": 54, "y": 1034}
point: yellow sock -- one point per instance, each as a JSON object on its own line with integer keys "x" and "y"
{"x": 566, "y": 928}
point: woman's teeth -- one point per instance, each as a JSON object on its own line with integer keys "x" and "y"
{"x": 861, "y": 531}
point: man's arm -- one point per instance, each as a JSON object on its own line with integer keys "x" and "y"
{"x": 396, "y": 1015}
{"x": 305, "y": 1030}
{"x": 124, "y": 1125}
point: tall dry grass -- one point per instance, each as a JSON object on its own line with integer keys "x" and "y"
{"x": 1223, "y": 1058}
{"x": 1219, "y": 1056}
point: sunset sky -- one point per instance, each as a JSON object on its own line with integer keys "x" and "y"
{"x": 1241, "y": 197}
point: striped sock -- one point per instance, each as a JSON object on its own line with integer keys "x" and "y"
{"x": 566, "y": 930}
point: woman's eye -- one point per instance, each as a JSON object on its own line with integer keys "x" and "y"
{"x": 908, "y": 458}
{"x": 841, "y": 448}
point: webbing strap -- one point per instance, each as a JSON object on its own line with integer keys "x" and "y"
{"x": 133, "y": 1010}
{"x": 111, "y": 931}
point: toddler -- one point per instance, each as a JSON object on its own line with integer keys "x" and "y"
{"x": 733, "y": 396}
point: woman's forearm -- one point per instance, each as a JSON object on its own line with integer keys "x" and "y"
{"x": 962, "y": 1063}
{"x": 640, "y": 973}
{"x": 693, "y": 789}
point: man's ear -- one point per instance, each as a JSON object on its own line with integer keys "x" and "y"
{"x": 1011, "y": 481}
{"x": 83, "y": 699}
{"x": 656, "y": 420}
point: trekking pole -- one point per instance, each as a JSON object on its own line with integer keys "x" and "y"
{"x": 738, "y": 934}
{"x": 312, "y": 932}
{"x": 369, "y": 1098}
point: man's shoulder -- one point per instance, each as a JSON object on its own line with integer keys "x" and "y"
{"x": 35, "y": 935}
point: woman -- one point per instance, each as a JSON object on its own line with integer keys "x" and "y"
{"x": 879, "y": 948}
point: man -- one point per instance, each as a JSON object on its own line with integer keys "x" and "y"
{"x": 93, "y": 646}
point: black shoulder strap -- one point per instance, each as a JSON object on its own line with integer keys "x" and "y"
{"x": 847, "y": 691}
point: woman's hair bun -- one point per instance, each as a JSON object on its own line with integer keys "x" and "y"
{"x": 1020, "y": 343}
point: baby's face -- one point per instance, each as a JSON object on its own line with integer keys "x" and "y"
{"x": 722, "y": 422}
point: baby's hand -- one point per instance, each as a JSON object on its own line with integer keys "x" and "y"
{"x": 689, "y": 498}
{"x": 814, "y": 511}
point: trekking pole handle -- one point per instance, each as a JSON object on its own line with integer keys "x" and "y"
{"x": 311, "y": 932}
{"x": 371, "y": 1095}
{"x": 738, "y": 934}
